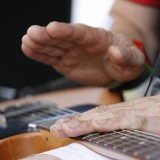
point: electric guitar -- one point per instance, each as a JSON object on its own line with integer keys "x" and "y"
{"x": 119, "y": 145}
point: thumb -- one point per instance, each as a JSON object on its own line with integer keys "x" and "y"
{"x": 124, "y": 63}
{"x": 126, "y": 56}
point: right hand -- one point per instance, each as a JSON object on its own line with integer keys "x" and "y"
{"x": 88, "y": 55}
{"x": 139, "y": 114}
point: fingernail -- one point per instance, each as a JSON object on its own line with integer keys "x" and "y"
{"x": 72, "y": 124}
{"x": 60, "y": 135}
{"x": 57, "y": 127}
{"x": 58, "y": 124}
{"x": 57, "y": 133}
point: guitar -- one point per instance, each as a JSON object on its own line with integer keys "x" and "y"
{"x": 15, "y": 116}
{"x": 119, "y": 145}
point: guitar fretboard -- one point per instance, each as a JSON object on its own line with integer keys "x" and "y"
{"x": 136, "y": 144}
{"x": 133, "y": 143}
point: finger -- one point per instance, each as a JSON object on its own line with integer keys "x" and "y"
{"x": 71, "y": 128}
{"x": 64, "y": 45}
{"x": 126, "y": 56}
{"x": 77, "y": 127}
{"x": 31, "y": 44}
{"x": 126, "y": 115}
{"x": 39, "y": 35}
{"x": 38, "y": 46}
{"x": 39, "y": 56}
{"x": 42, "y": 49}
{"x": 102, "y": 119}
{"x": 79, "y": 33}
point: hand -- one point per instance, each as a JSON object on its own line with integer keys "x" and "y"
{"x": 141, "y": 114}
{"x": 88, "y": 55}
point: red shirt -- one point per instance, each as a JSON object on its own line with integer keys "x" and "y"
{"x": 155, "y": 3}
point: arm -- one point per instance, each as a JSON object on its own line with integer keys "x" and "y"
{"x": 137, "y": 22}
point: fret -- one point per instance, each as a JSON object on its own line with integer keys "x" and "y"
{"x": 144, "y": 134}
{"x": 135, "y": 143}
{"x": 21, "y": 109}
{"x": 90, "y": 135}
{"x": 141, "y": 137}
{"x": 116, "y": 143}
{"x": 49, "y": 111}
{"x": 147, "y": 154}
{"x": 99, "y": 138}
{"x": 46, "y": 123}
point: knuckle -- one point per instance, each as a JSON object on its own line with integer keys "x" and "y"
{"x": 133, "y": 122}
{"x": 101, "y": 109}
{"x": 119, "y": 113}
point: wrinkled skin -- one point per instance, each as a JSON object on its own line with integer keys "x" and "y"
{"x": 79, "y": 51}
{"x": 141, "y": 114}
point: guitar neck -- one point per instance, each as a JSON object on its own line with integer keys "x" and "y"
{"x": 135, "y": 144}
{"x": 120, "y": 145}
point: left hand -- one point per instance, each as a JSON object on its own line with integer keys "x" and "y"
{"x": 85, "y": 54}
{"x": 141, "y": 114}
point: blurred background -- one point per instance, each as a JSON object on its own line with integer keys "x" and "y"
{"x": 16, "y": 70}
{"x": 16, "y": 16}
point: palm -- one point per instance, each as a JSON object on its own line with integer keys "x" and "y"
{"x": 83, "y": 65}
{"x": 82, "y": 53}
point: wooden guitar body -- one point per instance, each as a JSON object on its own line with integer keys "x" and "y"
{"x": 22, "y": 145}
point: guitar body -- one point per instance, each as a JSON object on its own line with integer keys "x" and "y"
{"x": 54, "y": 142}
{"x": 22, "y": 145}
